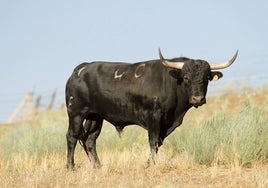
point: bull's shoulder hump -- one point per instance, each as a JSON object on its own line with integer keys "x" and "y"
{"x": 78, "y": 67}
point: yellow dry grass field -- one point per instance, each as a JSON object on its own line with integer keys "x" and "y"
{"x": 33, "y": 153}
{"x": 126, "y": 169}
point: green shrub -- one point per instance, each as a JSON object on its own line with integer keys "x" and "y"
{"x": 26, "y": 139}
{"x": 242, "y": 138}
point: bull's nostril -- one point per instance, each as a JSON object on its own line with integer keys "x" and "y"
{"x": 198, "y": 99}
{"x": 203, "y": 99}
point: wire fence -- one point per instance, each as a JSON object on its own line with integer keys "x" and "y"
{"x": 30, "y": 103}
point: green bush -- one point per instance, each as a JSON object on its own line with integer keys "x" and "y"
{"x": 242, "y": 138}
{"x": 26, "y": 139}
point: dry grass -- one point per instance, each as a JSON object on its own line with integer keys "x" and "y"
{"x": 123, "y": 159}
{"x": 126, "y": 169}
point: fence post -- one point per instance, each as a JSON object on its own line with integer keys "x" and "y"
{"x": 14, "y": 115}
{"x": 26, "y": 103}
{"x": 37, "y": 104}
{"x": 53, "y": 96}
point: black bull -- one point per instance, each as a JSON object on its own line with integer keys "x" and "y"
{"x": 153, "y": 94}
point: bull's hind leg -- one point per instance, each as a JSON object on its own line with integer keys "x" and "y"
{"x": 93, "y": 129}
{"x": 74, "y": 133}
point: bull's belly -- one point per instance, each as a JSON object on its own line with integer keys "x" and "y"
{"x": 122, "y": 121}
{"x": 121, "y": 118}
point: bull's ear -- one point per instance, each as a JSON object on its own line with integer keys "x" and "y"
{"x": 176, "y": 74}
{"x": 216, "y": 75}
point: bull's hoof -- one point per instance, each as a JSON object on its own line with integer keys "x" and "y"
{"x": 70, "y": 166}
{"x": 149, "y": 163}
{"x": 96, "y": 165}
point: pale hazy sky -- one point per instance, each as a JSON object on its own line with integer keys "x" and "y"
{"x": 42, "y": 41}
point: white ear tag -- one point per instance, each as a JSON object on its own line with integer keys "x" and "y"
{"x": 215, "y": 77}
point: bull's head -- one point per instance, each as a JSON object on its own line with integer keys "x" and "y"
{"x": 194, "y": 75}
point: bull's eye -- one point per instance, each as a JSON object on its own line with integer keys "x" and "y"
{"x": 186, "y": 80}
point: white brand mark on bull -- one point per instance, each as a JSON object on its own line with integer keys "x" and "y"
{"x": 70, "y": 103}
{"x": 139, "y": 70}
{"x": 116, "y": 76}
{"x": 80, "y": 70}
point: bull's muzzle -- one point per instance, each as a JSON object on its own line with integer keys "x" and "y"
{"x": 198, "y": 100}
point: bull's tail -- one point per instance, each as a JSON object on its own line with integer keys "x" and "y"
{"x": 83, "y": 144}
{"x": 82, "y": 141}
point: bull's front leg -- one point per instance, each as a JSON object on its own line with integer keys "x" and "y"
{"x": 154, "y": 121}
{"x": 154, "y": 139}
{"x": 153, "y": 148}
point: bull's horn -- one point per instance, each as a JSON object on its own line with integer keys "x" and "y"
{"x": 175, "y": 65}
{"x": 215, "y": 66}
